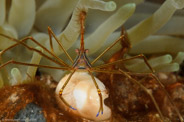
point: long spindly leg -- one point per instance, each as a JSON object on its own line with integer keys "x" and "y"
{"x": 29, "y": 64}
{"x": 4, "y": 71}
{"x": 163, "y": 88}
{"x": 62, "y": 88}
{"x": 128, "y": 74}
{"x": 33, "y": 65}
{"x": 33, "y": 49}
{"x": 125, "y": 42}
{"x": 145, "y": 89}
{"x": 124, "y": 60}
{"x": 151, "y": 74}
{"x": 57, "y": 61}
{"x": 51, "y": 33}
{"x": 107, "y": 49}
{"x": 105, "y": 71}
{"x": 99, "y": 94}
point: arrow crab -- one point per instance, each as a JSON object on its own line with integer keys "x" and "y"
{"x": 82, "y": 68}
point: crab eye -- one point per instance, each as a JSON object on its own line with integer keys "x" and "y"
{"x": 86, "y": 50}
{"x": 77, "y": 51}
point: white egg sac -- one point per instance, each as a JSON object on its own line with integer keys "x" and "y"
{"x": 82, "y": 95}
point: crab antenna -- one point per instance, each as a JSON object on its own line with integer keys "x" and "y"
{"x": 82, "y": 19}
